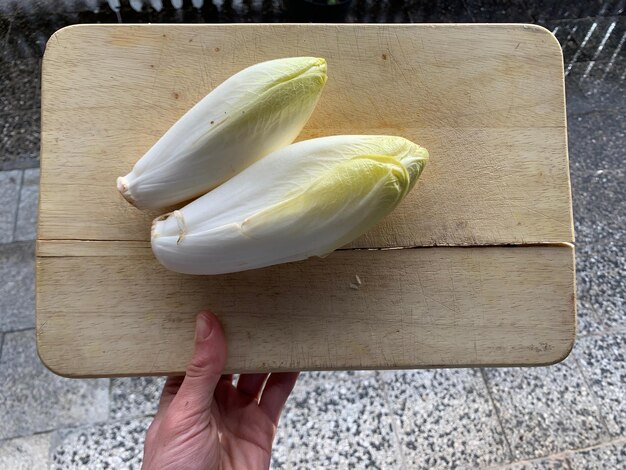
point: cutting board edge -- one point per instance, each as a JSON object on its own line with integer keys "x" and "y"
{"x": 558, "y": 356}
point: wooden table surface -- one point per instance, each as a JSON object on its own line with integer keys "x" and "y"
{"x": 476, "y": 267}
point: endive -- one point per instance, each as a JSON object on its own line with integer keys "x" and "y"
{"x": 258, "y": 110}
{"x": 304, "y": 200}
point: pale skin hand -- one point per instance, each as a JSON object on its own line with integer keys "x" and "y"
{"x": 205, "y": 422}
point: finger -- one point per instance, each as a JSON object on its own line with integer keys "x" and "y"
{"x": 172, "y": 384}
{"x": 251, "y": 384}
{"x": 276, "y": 392}
{"x": 205, "y": 368}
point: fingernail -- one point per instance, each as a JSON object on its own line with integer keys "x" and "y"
{"x": 204, "y": 326}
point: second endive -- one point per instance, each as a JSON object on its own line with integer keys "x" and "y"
{"x": 304, "y": 200}
{"x": 253, "y": 113}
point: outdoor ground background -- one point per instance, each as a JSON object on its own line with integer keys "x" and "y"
{"x": 568, "y": 416}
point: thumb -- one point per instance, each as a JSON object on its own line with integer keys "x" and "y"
{"x": 205, "y": 368}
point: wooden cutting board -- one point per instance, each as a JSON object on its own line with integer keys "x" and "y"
{"x": 476, "y": 267}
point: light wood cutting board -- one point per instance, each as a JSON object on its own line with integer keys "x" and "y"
{"x": 475, "y": 267}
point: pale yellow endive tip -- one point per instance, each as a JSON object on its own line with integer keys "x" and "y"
{"x": 305, "y": 200}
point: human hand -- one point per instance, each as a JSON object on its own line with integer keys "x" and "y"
{"x": 205, "y": 422}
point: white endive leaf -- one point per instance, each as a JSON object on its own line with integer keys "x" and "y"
{"x": 255, "y": 112}
{"x": 304, "y": 200}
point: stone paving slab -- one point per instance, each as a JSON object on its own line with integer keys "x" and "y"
{"x": 21, "y": 85}
{"x": 586, "y": 317}
{"x": 445, "y": 419}
{"x": 609, "y": 456}
{"x": 575, "y": 100}
{"x": 601, "y": 283}
{"x": 10, "y": 182}
{"x": 545, "y": 410}
{"x": 596, "y": 141}
{"x": 600, "y": 206}
{"x": 17, "y": 286}
{"x": 583, "y": 38}
{"x": 494, "y": 11}
{"x": 543, "y": 10}
{"x": 597, "y": 85}
{"x": 336, "y": 424}
{"x": 439, "y": 11}
{"x": 19, "y": 139}
{"x": 114, "y": 445}
{"x": 26, "y": 225}
{"x": 25, "y": 453}
{"x": 603, "y": 363}
{"x": 551, "y": 463}
{"x": 30, "y": 30}
{"x": 135, "y": 396}
{"x": 35, "y": 400}
{"x": 339, "y": 375}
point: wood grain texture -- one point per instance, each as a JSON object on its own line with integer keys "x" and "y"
{"x": 487, "y": 101}
{"x": 423, "y": 307}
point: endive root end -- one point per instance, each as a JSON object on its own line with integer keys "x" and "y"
{"x": 122, "y": 187}
{"x": 153, "y": 233}
{"x": 180, "y": 220}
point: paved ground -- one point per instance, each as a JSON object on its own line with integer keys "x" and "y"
{"x": 568, "y": 416}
